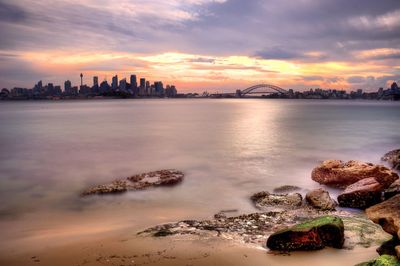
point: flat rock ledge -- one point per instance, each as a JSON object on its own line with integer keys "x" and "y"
{"x": 254, "y": 229}
{"x": 138, "y": 182}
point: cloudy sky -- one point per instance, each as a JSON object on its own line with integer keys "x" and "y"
{"x": 203, "y": 44}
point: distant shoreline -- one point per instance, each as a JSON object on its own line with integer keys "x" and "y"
{"x": 186, "y": 98}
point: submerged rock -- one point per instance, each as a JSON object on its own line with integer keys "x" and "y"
{"x": 138, "y": 182}
{"x": 387, "y": 214}
{"x": 393, "y": 159}
{"x": 340, "y": 174}
{"x": 362, "y": 194}
{"x": 320, "y": 199}
{"x": 286, "y": 189}
{"x": 264, "y": 200}
{"x": 384, "y": 260}
{"x": 310, "y": 235}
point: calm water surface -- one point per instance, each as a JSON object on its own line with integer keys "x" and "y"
{"x": 228, "y": 149}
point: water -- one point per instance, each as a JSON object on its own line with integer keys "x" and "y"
{"x": 228, "y": 149}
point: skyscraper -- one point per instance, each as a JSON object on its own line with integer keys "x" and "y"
{"x": 81, "y": 79}
{"x": 114, "y": 83}
{"x": 67, "y": 87}
{"x": 133, "y": 82}
{"x": 122, "y": 85}
{"x": 142, "y": 88}
{"x": 95, "y": 81}
{"x": 142, "y": 83}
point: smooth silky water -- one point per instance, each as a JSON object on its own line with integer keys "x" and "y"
{"x": 228, "y": 150}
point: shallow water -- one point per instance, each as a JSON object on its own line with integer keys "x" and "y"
{"x": 228, "y": 149}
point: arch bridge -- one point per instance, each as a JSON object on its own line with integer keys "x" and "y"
{"x": 262, "y": 89}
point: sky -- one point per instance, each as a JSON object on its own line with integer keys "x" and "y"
{"x": 198, "y": 45}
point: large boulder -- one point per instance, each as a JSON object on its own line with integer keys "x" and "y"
{"x": 138, "y": 182}
{"x": 320, "y": 199}
{"x": 362, "y": 194}
{"x": 311, "y": 235}
{"x": 393, "y": 159}
{"x": 265, "y": 200}
{"x": 342, "y": 174}
{"x": 387, "y": 214}
{"x": 384, "y": 260}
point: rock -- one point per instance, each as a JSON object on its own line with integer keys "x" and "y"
{"x": 384, "y": 260}
{"x": 392, "y": 190}
{"x": 138, "y": 182}
{"x": 320, "y": 199}
{"x": 387, "y": 214}
{"x": 397, "y": 249}
{"x": 388, "y": 247}
{"x": 362, "y": 194}
{"x": 223, "y": 214}
{"x": 339, "y": 174}
{"x": 254, "y": 228}
{"x": 286, "y": 189}
{"x": 360, "y": 231}
{"x": 393, "y": 159}
{"x": 311, "y": 235}
{"x": 263, "y": 200}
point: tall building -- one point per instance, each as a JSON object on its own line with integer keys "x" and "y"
{"x": 133, "y": 82}
{"x": 95, "y": 81}
{"x": 143, "y": 83}
{"x": 114, "y": 83}
{"x": 104, "y": 87}
{"x": 142, "y": 88}
{"x": 147, "y": 90}
{"x": 67, "y": 87}
{"x": 122, "y": 85}
{"x": 159, "y": 88}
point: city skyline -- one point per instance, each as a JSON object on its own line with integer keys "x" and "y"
{"x": 203, "y": 44}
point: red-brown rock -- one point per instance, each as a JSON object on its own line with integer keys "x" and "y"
{"x": 387, "y": 214}
{"x": 340, "y": 174}
{"x": 362, "y": 194}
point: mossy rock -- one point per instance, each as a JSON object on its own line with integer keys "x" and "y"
{"x": 310, "y": 235}
{"x": 384, "y": 260}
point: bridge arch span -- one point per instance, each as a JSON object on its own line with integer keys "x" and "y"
{"x": 263, "y": 88}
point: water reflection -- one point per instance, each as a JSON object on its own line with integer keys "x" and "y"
{"x": 228, "y": 150}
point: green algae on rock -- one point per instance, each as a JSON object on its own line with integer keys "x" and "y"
{"x": 310, "y": 235}
{"x": 384, "y": 260}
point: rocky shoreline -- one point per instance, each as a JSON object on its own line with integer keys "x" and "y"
{"x": 287, "y": 222}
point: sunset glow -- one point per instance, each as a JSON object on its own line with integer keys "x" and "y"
{"x": 199, "y": 45}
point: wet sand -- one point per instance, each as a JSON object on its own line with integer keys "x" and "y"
{"x": 123, "y": 248}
